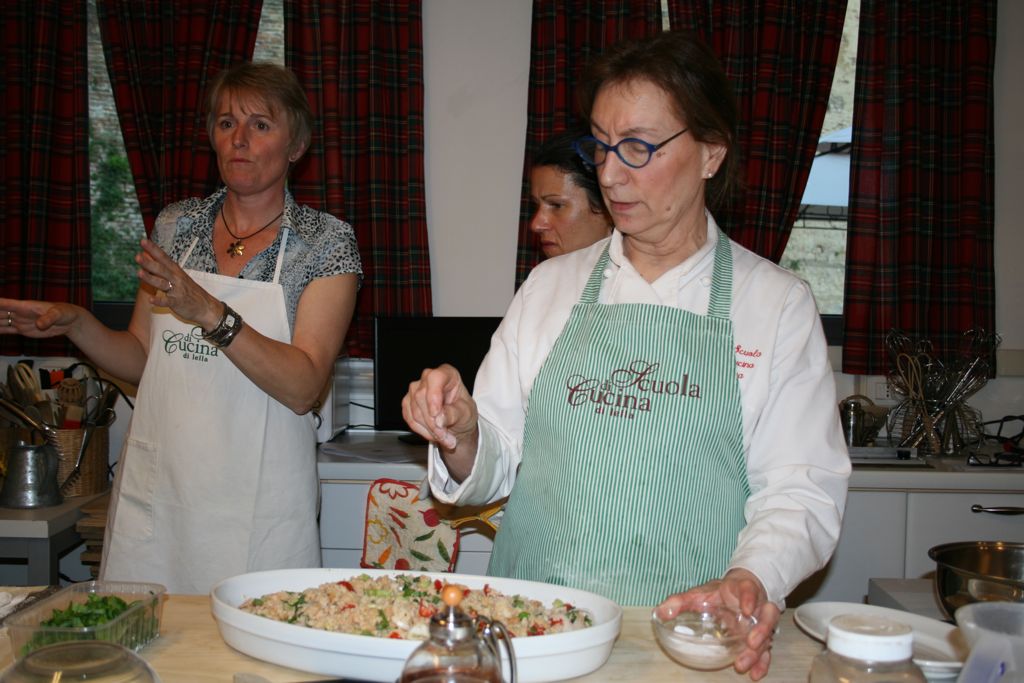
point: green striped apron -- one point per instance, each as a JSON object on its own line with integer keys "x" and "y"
{"x": 633, "y": 479}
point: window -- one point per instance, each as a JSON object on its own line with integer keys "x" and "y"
{"x": 116, "y": 219}
{"x": 270, "y": 37}
{"x": 117, "y": 224}
{"x": 816, "y": 250}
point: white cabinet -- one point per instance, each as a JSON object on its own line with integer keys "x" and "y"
{"x": 871, "y": 544}
{"x": 936, "y": 518}
{"x": 893, "y": 517}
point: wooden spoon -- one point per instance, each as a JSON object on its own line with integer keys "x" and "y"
{"x": 71, "y": 393}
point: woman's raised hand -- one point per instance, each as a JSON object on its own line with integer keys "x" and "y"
{"x": 439, "y": 408}
{"x": 174, "y": 289}
{"x": 37, "y": 319}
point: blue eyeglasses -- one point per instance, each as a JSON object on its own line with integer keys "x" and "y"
{"x": 633, "y": 152}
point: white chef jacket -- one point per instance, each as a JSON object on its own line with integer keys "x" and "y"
{"x": 798, "y": 465}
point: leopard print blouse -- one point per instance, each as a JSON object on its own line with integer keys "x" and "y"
{"x": 319, "y": 245}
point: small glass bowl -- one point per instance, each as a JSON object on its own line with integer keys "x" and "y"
{"x": 706, "y": 638}
{"x": 95, "y": 661}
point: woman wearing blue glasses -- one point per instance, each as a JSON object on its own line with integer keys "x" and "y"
{"x": 659, "y": 406}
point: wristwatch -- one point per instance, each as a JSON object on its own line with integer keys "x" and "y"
{"x": 226, "y": 330}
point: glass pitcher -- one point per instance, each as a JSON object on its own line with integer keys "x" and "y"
{"x": 460, "y": 648}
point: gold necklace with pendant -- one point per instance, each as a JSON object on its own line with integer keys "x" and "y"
{"x": 236, "y": 248}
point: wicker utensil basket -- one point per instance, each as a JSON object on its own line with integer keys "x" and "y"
{"x": 7, "y": 440}
{"x": 93, "y": 478}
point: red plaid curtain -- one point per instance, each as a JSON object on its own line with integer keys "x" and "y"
{"x": 780, "y": 56}
{"x": 362, "y": 63}
{"x": 565, "y": 35}
{"x": 44, "y": 172}
{"x": 920, "y": 245}
{"x": 160, "y": 56}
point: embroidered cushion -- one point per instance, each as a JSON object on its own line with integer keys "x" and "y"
{"x": 404, "y": 531}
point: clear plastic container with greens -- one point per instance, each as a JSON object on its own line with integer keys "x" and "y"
{"x": 122, "y": 612}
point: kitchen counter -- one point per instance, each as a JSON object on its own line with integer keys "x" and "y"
{"x": 909, "y": 595}
{"x": 190, "y": 650}
{"x": 360, "y": 455}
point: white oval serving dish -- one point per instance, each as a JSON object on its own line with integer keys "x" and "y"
{"x": 538, "y": 658}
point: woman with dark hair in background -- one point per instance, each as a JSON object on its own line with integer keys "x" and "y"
{"x": 568, "y": 209}
{"x": 245, "y": 298}
{"x": 659, "y": 406}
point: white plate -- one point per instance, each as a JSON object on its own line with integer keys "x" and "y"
{"x": 939, "y": 648}
{"x": 538, "y": 658}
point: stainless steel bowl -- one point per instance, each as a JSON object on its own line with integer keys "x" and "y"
{"x": 977, "y": 571}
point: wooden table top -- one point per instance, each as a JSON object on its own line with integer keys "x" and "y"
{"x": 190, "y": 650}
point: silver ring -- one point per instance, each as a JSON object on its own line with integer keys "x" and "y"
{"x": 10, "y": 319}
{"x": 170, "y": 286}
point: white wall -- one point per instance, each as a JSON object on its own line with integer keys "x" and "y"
{"x": 476, "y": 61}
{"x": 1009, "y": 113}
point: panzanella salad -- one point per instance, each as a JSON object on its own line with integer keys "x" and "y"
{"x": 401, "y": 607}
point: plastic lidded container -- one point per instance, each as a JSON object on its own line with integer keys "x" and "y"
{"x": 133, "y": 628}
{"x": 867, "y": 649}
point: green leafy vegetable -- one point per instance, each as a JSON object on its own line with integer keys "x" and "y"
{"x": 94, "y": 611}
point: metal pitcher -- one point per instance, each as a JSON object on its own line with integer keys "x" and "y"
{"x": 31, "y": 479}
{"x": 852, "y": 415}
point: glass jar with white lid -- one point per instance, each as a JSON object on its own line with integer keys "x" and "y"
{"x": 867, "y": 649}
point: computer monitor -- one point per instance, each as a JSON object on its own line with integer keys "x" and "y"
{"x": 404, "y": 346}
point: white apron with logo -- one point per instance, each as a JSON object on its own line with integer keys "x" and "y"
{"x": 216, "y": 478}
